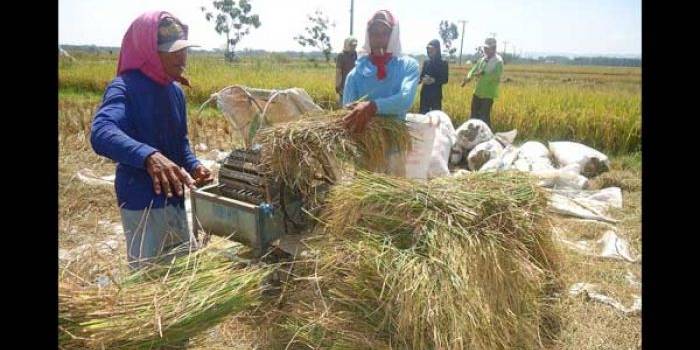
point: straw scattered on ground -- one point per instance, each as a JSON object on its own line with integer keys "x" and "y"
{"x": 161, "y": 305}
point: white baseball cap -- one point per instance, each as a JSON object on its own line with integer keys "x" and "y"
{"x": 490, "y": 42}
{"x": 172, "y": 35}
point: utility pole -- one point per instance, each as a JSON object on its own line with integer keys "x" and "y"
{"x": 352, "y": 12}
{"x": 504, "y": 51}
{"x": 462, "y": 43}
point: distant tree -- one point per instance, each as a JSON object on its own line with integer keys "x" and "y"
{"x": 606, "y": 61}
{"x": 234, "y": 20}
{"x": 448, "y": 32}
{"x": 316, "y": 34}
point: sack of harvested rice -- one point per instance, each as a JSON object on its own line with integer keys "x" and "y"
{"x": 611, "y": 196}
{"x": 433, "y": 136}
{"x": 592, "y": 162}
{"x": 533, "y": 156}
{"x": 564, "y": 178}
{"x": 445, "y": 137}
{"x": 504, "y": 161}
{"x": 506, "y": 138}
{"x": 422, "y": 130}
{"x": 456, "y": 154}
{"x": 472, "y": 133}
{"x": 482, "y": 153}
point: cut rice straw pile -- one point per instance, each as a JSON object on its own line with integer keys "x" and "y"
{"x": 164, "y": 304}
{"x": 454, "y": 263}
{"x": 302, "y": 152}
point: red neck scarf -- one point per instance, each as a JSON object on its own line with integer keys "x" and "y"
{"x": 380, "y": 61}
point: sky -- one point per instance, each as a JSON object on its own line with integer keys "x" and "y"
{"x": 577, "y": 27}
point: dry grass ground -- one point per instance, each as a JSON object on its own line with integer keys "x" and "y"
{"x": 86, "y": 213}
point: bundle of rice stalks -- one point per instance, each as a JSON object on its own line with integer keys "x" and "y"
{"x": 303, "y": 152}
{"x": 454, "y": 263}
{"x": 164, "y": 304}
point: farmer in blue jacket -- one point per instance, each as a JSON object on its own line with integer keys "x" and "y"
{"x": 383, "y": 83}
{"x": 142, "y": 125}
{"x": 386, "y": 79}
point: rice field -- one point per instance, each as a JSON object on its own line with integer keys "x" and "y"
{"x": 598, "y": 106}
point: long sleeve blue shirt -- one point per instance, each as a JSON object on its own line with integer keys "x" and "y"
{"x": 394, "y": 94}
{"x": 137, "y": 118}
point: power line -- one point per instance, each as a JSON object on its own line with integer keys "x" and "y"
{"x": 352, "y": 10}
{"x": 462, "y": 43}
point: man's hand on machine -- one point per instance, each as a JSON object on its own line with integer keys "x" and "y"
{"x": 361, "y": 113}
{"x": 167, "y": 176}
{"x": 202, "y": 176}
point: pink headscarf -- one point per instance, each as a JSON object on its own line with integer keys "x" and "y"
{"x": 139, "y": 48}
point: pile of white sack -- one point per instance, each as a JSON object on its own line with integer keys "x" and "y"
{"x": 439, "y": 150}
{"x": 560, "y": 164}
{"x": 563, "y": 167}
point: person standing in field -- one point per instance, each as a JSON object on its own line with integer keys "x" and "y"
{"x": 384, "y": 81}
{"x": 433, "y": 75}
{"x": 344, "y": 63}
{"x": 142, "y": 125}
{"x": 488, "y": 70}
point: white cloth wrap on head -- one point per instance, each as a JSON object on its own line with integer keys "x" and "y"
{"x": 394, "y": 43}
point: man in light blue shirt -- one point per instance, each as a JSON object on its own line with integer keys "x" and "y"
{"x": 383, "y": 81}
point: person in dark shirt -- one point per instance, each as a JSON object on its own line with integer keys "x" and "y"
{"x": 344, "y": 63}
{"x": 432, "y": 77}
